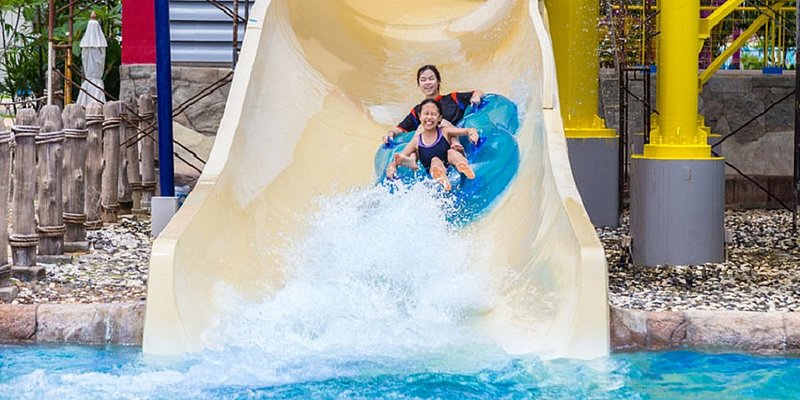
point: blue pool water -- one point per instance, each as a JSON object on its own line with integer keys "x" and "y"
{"x": 75, "y": 372}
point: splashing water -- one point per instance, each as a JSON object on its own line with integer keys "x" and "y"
{"x": 377, "y": 274}
{"x": 381, "y": 300}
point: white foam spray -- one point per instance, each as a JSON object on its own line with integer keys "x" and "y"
{"x": 381, "y": 284}
{"x": 379, "y": 274}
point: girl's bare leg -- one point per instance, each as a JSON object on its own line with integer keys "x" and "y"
{"x": 460, "y": 162}
{"x": 439, "y": 173}
{"x": 455, "y": 144}
{"x": 406, "y": 161}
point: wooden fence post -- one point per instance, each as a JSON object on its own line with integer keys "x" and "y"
{"x": 125, "y": 189}
{"x": 132, "y": 155}
{"x": 75, "y": 134}
{"x": 7, "y": 291}
{"x": 50, "y": 168}
{"x": 146, "y": 112}
{"x": 155, "y": 128}
{"x": 94, "y": 166}
{"x": 23, "y": 238}
{"x": 58, "y": 90}
{"x": 109, "y": 196}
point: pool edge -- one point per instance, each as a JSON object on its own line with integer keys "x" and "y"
{"x": 630, "y": 329}
{"x": 95, "y": 323}
{"x": 752, "y": 332}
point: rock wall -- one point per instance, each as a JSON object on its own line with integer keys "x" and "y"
{"x": 762, "y": 148}
{"x": 753, "y": 332}
{"x": 195, "y": 127}
{"x": 728, "y": 101}
{"x": 630, "y": 329}
{"x": 203, "y": 116}
{"x": 96, "y": 323}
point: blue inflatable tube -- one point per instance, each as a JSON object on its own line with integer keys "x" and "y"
{"x": 495, "y": 159}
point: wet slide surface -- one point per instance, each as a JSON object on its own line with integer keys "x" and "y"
{"x": 287, "y": 245}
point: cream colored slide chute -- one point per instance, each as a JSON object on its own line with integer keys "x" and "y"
{"x": 342, "y": 71}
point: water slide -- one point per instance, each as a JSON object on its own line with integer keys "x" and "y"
{"x": 317, "y": 83}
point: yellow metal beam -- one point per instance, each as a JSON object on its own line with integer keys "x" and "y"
{"x": 678, "y": 134}
{"x": 575, "y": 36}
{"x": 736, "y": 45}
{"x": 712, "y": 8}
{"x": 708, "y": 23}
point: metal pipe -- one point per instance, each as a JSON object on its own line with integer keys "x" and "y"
{"x": 796, "y": 118}
{"x": 766, "y": 43}
{"x": 51, "y": 17}
{"x": 643, "y": 28}
{"x": 709, "y": 8}
{"x": 648, "y": 28}
{"x": 623, "y": 137}
{"x": 164, "y": 85}
{"x": 235, "y": 57}
{"x": 68, "y": 62}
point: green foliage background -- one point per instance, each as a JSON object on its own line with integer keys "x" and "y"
{"x": 630, "y": 41}
{"x": 24, "y": 37}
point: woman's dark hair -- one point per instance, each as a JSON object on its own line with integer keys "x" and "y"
{"x": 436, "y": 103}
{"x": 429, "y": 67}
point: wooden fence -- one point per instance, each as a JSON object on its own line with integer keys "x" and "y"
{"x": 83, "y": 167}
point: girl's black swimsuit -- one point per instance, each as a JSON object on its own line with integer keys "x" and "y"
{"x": 437, "y": 149}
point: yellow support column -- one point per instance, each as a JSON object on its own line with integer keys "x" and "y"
{"x": 678, "y": 135}
{"x": 677, "y": 188}
{"x": 573, "y": 24}
{"x": 593, "y": 148}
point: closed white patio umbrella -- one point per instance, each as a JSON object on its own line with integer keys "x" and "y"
{"x": 93, "y": 55}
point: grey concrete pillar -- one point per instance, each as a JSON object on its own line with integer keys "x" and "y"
{"x": 677, "y": 211}
{"x": 595, "y": 167}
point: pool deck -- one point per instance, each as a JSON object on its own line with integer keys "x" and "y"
{"x": 631, "y": 330}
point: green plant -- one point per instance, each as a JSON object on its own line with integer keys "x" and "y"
{"x": 749, "y": 61}
{"x": 627, "y": 19}
{"x": 24, "y": 36}
{"x": 22, "y": 58}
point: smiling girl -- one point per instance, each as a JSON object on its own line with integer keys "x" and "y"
{"x": 431, "y": 146}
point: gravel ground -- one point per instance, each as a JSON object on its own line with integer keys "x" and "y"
{"x": 115, "y": 269}
{"x": 762, "y": 272}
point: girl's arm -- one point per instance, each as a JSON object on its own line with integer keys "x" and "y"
{"x": 452, "y": 131}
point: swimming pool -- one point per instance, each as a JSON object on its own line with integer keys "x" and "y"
{"x": 79, "y": 372}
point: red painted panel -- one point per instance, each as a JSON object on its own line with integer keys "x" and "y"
{"x": 138, "y": 32}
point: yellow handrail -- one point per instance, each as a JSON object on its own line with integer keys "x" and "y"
{"x": 735, "y": 46}
{"x": 719, "y": 14}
